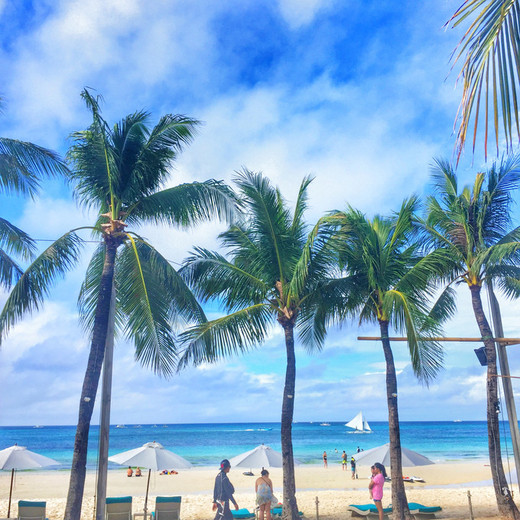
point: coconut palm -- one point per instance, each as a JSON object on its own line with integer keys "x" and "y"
{"x": 22, "y": 166}
{"x": 388, "y": 281}
{"x": 275, "y": 273}
{"x": 119, "y": 172}
{"x": 473, "y": 227}
{"x": 489, "y": 51}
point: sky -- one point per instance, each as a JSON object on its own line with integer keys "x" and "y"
{"x": 357, "y": 94}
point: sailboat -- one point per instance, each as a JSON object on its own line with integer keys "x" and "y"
{"x": 360, "y": 424}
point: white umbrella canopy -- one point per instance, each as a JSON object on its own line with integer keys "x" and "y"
{"x": 151, "y": 455}
{"x": 19, "y": 457}
{"x": 260, "y": 457}
{"x": 382, "y": 454}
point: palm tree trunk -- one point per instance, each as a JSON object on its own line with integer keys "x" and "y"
{"x": 290, "y": 507}
{"x": 399, "y": 501}
{"x": 506, "y": 506}
{"x": 90, "y": 384}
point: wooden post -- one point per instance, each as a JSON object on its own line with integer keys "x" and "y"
{"x": 10, "y": 494}
{"x": 506, "y": 380}
{"x": 104, "y": 426}
{"x": 471, "y": 517}
{"x": 317, "y": 509}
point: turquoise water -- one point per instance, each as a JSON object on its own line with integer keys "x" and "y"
{"x": 207, "y": 444}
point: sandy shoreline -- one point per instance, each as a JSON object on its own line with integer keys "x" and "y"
{"x": 446, "y": 484}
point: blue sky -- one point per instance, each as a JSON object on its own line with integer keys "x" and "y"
{"x": 357, "y": 94}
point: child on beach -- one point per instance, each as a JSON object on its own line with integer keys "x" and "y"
{"x": 376, "y": 487}
{"x": 264, "y": 495}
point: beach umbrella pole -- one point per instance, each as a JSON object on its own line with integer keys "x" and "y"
{"x": 10, "y": 494}
{"x": 146, "y": 496}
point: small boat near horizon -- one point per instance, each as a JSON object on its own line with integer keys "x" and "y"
{"x": 324, "y": 424}
{"x": 120, "y": 426}
{"x": 359, "y": 424}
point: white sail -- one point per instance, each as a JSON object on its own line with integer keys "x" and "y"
{"x": 359, "y": 423}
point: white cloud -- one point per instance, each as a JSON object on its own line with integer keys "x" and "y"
{"x": 298, "y": 13}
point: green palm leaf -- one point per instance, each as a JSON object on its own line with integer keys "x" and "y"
{"x": 34, "y": 285}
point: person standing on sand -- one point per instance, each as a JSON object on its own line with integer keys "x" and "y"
{"x": 223, "y": 493}
{"x": 324, "y": 459}
{"x": 264, "y": 495}
{"x": 353, "y": 467}
{"x": 344, "y": 460}
{"x": 376, "y": 487}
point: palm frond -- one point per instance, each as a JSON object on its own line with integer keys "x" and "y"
{"x": 23, "y": 164}
{"x": 490, "y": 50}
{"x": 15, "y": 241}
{"x": 186, "y": 205}
{"x": 216, "y": 339}
{"x": 34, "y": 285}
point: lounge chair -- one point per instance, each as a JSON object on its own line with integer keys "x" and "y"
{"x": 31, "y": 510}
{"x": 167, "y": 508}
{"x": 369, "y": 510}
{"x": 420, "y": 511}
{"x": 242, "y": 514}
{"x": 277, "y": 511}
{"x": 118, "y": 508}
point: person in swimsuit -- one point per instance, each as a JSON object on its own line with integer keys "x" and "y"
{"x": 324, "y": 459}
{"x": 264, "y": 495}
{"x": 129, "y": 471}
{"x": 376, "y": 487}
{"x": 223, "y": 493}
{"x": 344, "y": 460}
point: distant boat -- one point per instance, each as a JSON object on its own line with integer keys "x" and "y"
{"x": 457, "y": 420}
{"x": 120, "y": 426}
{"x": 359, "y": 424}
{"x": 325, "y": 424}
{"x": 37, "y": 426}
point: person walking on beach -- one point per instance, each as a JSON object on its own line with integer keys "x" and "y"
{"x": 353, "y": 467}
{"x": 344, "y": 460}
{"x": 376, "y": 487}
{"x": 264, "y": 495}
{"x": 223, "y": 493}
{"x": 324, "y": 459}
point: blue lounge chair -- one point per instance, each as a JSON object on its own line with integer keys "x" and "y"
{"x": 367, "y": 510}
{"x": 167, "y": 508}
{"x": 277, "y": 511}
{"x": 28, "y": 510}
{"x": 118, "y": 508}
{"x": 420, "y": 511}
{"x": 242, "y": 514}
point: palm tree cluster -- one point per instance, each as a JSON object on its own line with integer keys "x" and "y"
{"x": 274, "y": 269}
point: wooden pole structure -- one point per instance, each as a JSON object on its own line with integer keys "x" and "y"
{"x": 506, "y": 379}
{"x": 470, "y": 506}
{"x": 104, "y": 426}
{"x": 317, "y": 509}
{"x": 146, "y": 496}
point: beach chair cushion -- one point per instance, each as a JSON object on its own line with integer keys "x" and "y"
{"x": 420, "y": 511}
{"x": 242, "y": 513}
{"x": 167, "y": 508}
{"x": 28, "y": 510}
{"x": 367, "y": 510}
{"x": 118, "y": 508}
{"x": 277, "y": 511}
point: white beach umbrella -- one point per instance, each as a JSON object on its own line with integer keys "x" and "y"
{"x": 19, "y": 457}
{"x": 260, "y": 457}
{"x": 382, "y": 454}
{"x": 151, "y": 455}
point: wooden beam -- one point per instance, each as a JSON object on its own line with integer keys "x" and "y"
{"x": 506, "y": 341}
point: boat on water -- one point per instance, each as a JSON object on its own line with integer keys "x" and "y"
{"x": 325, "y": 424}
{"x": 359, "y": 424}
{"x": 120, "y": 426}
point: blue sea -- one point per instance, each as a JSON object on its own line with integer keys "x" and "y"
{"x": 207, "y": 444}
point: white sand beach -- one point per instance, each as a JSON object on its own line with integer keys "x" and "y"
{"x": 446, "y": 484}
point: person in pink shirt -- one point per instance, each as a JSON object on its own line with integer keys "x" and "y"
{"x": 376, "y": 486}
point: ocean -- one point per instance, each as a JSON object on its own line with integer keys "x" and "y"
{"x": 207, "y": 444}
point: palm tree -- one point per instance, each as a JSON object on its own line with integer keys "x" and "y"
{"x": 473, "y": 228}
{"x": 490, "y": 50}
{"x": 22, "y": 166}
{"x": 388, "y": 281}
{"x": 119, "y": 172}
{"x": 275, "y": 273}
